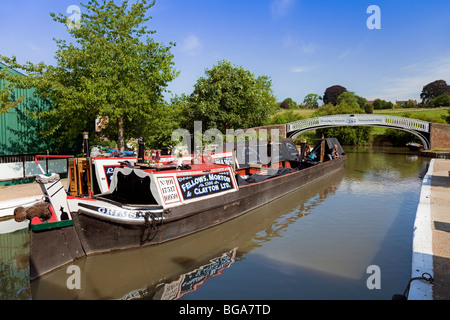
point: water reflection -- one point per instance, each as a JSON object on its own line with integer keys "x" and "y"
{"x": 315, "y": 243}
{"x": 173, "y": 269}
{"x": 14, "y": 275}
{"x": 369, "y": 222}
{"x": 187, "y": 282}
{"x": 382, "y": 171}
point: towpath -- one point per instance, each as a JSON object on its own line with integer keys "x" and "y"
{"x": 431, "y": 240}
{"x": 20, "y": 191}
{"x": 440, "y": 227}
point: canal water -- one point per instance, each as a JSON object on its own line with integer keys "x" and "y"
{"x": 345, "y": 236}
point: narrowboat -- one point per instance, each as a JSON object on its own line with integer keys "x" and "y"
{"x": 122, "y": 203}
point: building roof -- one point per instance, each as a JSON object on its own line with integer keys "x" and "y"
{"x": 12, "y": 71}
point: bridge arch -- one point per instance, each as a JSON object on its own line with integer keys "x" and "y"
{"x": 419, "y": 128}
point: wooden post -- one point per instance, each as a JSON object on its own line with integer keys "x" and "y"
{"x": 23, "y": 165}
{"x": 322, "y": 150}
{"x": 302, "y": 149}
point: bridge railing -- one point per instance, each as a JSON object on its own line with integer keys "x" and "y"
{"x": 360, "y": 120}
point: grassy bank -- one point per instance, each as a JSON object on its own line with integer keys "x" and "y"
{"x": 442, "y": 111}
{"x": 427, "y": 113}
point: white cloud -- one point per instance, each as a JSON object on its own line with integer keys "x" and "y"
{"x": 301, "y": 69}
{"x": 298, "y": 47}
{"x": 355, "y": 50}
{"x": 308, "y": 48}
{"x": 191, "y": 44}
{"x": 345, "y": 54}
{"x": 34, "y": 47}
{"x": 298, "y": 69}
{"x": 280, "y": 8}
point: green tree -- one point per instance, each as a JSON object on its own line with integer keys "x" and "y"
{"x": 379, "y": 104}
{"x": 440, "y": 101}
{"x": 230, "y": 97}
{"x": 288, "y": 103}
{"x": 364, "y": 105}
{"x": 433, "y": 90}
{"x": 312, "y": 100}
{"x": 7, "y": 100}
{"x": 115, "y": 70}
{"x": 350, "y": 99}
{"x": 332, "y": 93}
{"x": 284, "y": 117}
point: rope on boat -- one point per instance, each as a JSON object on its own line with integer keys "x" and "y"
{"x": 40, "y": 209}
{"x": 425, "y": 276}
{"x": 151, "y": 226}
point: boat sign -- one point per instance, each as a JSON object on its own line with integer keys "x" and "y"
{"x": 175, "y": 187}
{"x": 193, "y": 186}
{"x": 168, "y": 189}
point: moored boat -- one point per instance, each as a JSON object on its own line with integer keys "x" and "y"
{"x": 142, "y": 203}
{"x": 413, "y": 146}
{"x": 7, "y": 223}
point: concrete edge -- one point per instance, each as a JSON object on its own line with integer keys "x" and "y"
{"x": 422, "y": 255}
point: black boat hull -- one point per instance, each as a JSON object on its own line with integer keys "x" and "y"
{"x": 91, "y": 235}
{"x": 101, "y": 235}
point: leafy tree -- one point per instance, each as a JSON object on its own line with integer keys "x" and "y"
{"x": 355, "y": 101}
{"x": 440, "y": 101}
{"x": 332, "y": 93}
{"x": 312, "y": 100}
{"x": 230, "y": 97}
{"x": 362, "y": 102}
{"x": 433, "y": 90}
{"x": 7, "y": 101}
{"x": 400, "y": 138}
{"x": 350, "y": 98}
{"x": 379, "y": 104}
{"x": 284, "y": 117}
{"x": 115, "y": 70}
{"x": 409, "y": 104}
{"x": 288, "y": 103}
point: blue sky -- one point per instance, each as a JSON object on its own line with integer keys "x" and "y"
{"x": 304, "y": 46}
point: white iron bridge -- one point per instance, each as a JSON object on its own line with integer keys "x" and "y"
{"x": 419, "y": 128}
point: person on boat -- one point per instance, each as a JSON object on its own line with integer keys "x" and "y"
{"x": 306, "y": 153}
{"x": 311, "y": 154}
{"x": 307, "y": 150}
{"x": 334, "y": 152}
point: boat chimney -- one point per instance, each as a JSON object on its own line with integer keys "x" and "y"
{"x": 141, "y": 150}
{"x": 85, "y": 144}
